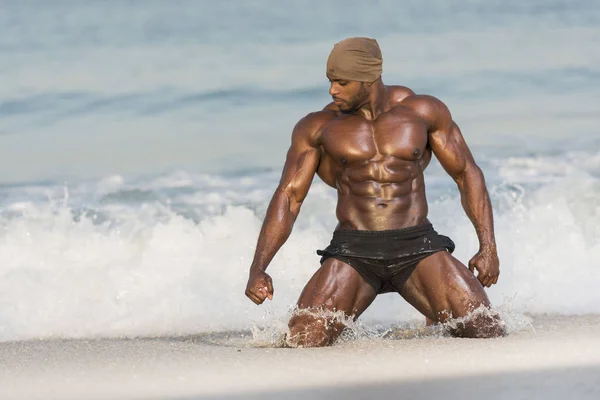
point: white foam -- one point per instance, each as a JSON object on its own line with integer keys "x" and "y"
{"x": 144, "y": 269}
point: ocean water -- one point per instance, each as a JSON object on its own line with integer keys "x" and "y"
{"x": 141, "y": 141}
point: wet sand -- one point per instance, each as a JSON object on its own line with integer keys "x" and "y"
{"x": 558, "y": 358}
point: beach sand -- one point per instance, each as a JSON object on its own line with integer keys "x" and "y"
{"x": 558, "y": 357}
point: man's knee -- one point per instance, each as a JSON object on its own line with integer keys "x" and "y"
{"x": 311, "y": 331}
{"x": 482, "y": 323}
{"x": 470, "y": 313}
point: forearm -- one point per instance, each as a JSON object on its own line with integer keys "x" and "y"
{"x": 477, "y": 205}
{"x": 275, "y": 230}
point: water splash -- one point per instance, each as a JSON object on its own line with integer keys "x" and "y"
{"x": 275, "y": 332}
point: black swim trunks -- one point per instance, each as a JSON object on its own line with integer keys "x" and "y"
{"x": 386, "y": 259}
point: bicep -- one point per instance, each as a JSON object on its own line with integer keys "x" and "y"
{"x": 298, "y": 172}
{"x": 451, "y": 150}
{"x": 301, "y": 163}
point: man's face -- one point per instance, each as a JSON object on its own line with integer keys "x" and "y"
{"x": 348, "y": 95}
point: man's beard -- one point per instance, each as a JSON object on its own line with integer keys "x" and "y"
{"x": 356, "y": 102}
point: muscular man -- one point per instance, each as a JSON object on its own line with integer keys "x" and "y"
{"x": 372, "y": 144}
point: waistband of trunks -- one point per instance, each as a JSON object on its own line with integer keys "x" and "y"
{"x": 403, "y": 233}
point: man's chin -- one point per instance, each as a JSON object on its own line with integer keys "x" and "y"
{"x": 344, "y": 107}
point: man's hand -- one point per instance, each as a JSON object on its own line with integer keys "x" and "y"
{"x": 260, "y": 286}
{"x": 487, "y": 265}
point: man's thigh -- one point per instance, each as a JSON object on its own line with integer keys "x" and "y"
{"x": 337, "y": 286}
{"x": 441, "y": 287}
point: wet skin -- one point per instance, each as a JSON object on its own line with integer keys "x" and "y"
{"x": 372, "y": 144}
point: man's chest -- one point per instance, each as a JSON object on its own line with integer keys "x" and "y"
{"x": 355, "y": 139}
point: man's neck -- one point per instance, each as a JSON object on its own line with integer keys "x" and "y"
{"x": 376, "y": 103}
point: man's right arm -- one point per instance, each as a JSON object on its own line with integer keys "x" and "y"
{"x": 300, "y": 167}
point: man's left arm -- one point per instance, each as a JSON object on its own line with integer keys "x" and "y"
{"x": 448, "y": 145}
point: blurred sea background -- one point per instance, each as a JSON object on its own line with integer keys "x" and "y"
{"x": 140, "y": 143}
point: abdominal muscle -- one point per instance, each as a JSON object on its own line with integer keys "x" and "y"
{"x": 371, "y": 200}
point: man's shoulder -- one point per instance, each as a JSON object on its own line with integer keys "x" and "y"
{"x": 331, "y": 107}
{"x": 401, "y": 95}
{"x": 431, "y": 109}
{"x": 317, "y": 118}
{"x": 311, "y": 124}
{"x": 398, "y": 93}
{"x": 425, "y": 105}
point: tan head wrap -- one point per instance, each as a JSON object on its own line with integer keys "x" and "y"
{"x": 355, "y": 59}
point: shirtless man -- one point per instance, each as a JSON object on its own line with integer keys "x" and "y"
{"x": 372, "y": 145}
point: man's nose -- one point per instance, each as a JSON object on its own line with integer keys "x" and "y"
{"x": 333, "y": 90}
